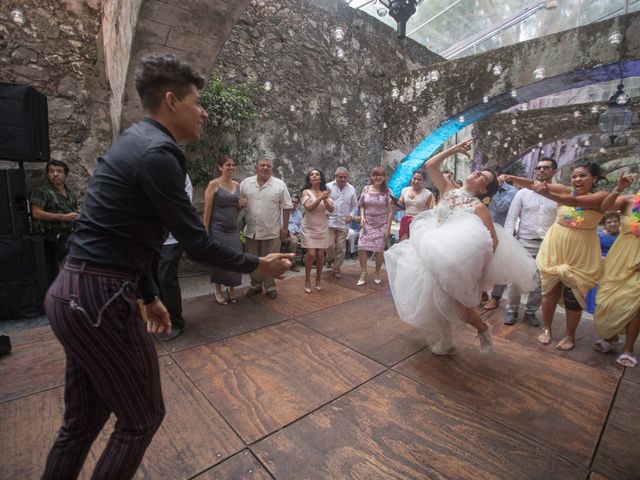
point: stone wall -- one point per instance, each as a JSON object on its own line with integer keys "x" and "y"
{"x": 58, "y": 51}
{"x": 195, "y": 30}
{"x": 322, "y": 110}
{"x": 424, "y": 103}
{"x": 119, "y": 22}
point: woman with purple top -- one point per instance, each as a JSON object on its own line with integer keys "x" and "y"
{"x": 375, "y": 220}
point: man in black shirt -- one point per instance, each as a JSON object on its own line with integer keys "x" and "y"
{"x": 136, "y": 192}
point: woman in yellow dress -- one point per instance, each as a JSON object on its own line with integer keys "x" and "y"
{"x": 569, "y": 259}
{"x": 618, "y": 298}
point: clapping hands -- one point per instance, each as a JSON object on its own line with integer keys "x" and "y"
{"x": 625, "y": 180}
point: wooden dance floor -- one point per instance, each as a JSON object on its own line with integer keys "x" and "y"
{"x": 333, "y": 385}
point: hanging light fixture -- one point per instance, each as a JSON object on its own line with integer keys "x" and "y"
{"x": 17, "y": 16}
{"x": 615, "y": 38}
{"x": 497, "y": 70}
{"x": 401, "y": 11}
{"x": 338, "y": 34}
{"x": 267, "y": 86}
{"x": 538, "y": 73}
{"x": 618, "y": 117}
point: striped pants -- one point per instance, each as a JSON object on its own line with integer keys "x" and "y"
{"x": 112, "y": 366}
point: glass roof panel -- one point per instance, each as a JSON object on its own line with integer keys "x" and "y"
{"x": 474, "y": 26}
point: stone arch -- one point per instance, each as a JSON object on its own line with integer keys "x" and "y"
{"x": 573, "y": 58}
{"x": 195, "y": 30}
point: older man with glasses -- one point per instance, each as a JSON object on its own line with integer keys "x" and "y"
{"x": 536, "y": 214}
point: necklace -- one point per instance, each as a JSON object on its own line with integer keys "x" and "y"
{"x": 634, "y": 225}
{"x": 574, "y": 217}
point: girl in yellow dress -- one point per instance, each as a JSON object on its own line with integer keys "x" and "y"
{"x": 569, "y": 259}
{"x": 618, "y": 298}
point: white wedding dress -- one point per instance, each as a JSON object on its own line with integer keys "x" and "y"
{"x": 447, "y": 262}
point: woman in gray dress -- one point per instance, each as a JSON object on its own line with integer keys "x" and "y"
{"x": 222, "y": 202}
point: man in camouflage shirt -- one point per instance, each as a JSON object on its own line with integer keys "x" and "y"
{"x": 54, "y": 208}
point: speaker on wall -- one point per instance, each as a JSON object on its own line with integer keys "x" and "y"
{"x": 24, "y": 124}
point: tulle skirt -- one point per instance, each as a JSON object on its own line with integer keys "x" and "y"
{"x": 441, "y": 269}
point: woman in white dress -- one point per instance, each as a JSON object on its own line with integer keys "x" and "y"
{"x": 438, "y": 275}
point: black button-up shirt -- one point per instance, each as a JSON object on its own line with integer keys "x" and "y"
{"x": 136, "y": 192}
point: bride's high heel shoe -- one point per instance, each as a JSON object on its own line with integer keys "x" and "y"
{"x": 362, "y": 280}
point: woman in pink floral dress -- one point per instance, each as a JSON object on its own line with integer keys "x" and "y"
{"x": 375, "y": 219}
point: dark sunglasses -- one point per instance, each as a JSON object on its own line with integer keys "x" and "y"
{"x": 543, "y": 167}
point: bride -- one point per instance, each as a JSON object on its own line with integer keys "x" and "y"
{"x": 454, "y": 252}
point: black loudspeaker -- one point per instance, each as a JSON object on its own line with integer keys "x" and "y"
{"x": 5, "y": 344}
{"x": 14, "y": 215}
{"x": 23, "y": 276}
{"x": 24, "y": 124}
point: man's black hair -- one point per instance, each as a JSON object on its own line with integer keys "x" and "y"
{"x": 162, "y": 72}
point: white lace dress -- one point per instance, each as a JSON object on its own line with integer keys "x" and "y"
{"x": 446, "y": 264}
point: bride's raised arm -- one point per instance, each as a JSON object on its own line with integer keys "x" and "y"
{"x": 433, "y": 165}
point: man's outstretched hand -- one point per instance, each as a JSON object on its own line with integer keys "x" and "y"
{"x": 275, "y": 264}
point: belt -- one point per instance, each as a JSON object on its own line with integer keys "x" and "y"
{"x": 90, "y": 268}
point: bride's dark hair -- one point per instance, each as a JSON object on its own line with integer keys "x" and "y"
{"x": 492, "y": 188}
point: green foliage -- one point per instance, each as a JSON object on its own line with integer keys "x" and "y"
{"x": 232, "y": 111}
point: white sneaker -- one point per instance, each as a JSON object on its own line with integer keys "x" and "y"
{"x": 486, "y": 342}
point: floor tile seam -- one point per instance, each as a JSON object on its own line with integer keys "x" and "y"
{"x": 343, "y": 344}
{"x": 608, "y": 372}
{"x": 199, "y": 390}
{"x": 246, "y": 444}
{"x": 229, "y": 337}
{"x": 629, "y": 379}
{"x": 32, "y": 393}
{"x": 211, "y": 467}
{"x": 320, "y": 309}
{"x": 477, "y": 413}
{"x": 596, "y": 447}
{"x": 254, "y": 443}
